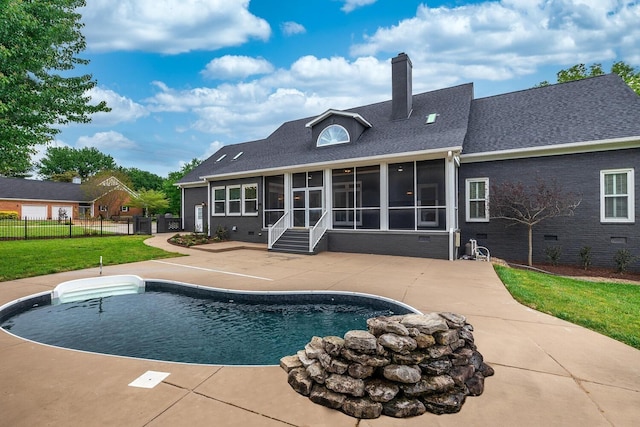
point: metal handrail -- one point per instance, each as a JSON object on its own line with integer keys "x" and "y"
{"x": 317, "y": 231}
{"x": 277, "y": 230}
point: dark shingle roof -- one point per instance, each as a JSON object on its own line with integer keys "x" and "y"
{"x": 28, "y": 189}
{"x": 592, "y": 109}
{"x": 291, "y": 144}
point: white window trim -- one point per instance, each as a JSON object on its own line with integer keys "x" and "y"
{"x": 631, "y": 210}
{"x": 244, "y": 212}
{"x": 213, "y": 198}
{"x": 229, "y": 200}
{"x": 468, "y": 200}
{"x": 325, "y": 130}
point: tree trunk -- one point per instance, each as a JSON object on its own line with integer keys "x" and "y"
{"x": 530, "y": 245}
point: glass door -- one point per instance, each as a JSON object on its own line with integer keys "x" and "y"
{"x": 308, "y": 198}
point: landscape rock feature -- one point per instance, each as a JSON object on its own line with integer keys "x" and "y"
{"x": 402, "y": 366}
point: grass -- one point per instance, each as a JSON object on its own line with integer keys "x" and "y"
{"x": 612, "y": 309}
{"x": 37, "y": 257}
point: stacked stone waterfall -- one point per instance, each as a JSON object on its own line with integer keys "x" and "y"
{"x": 403, "y": 366}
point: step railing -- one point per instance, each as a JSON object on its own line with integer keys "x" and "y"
{"x": 317, "y": 231}
{"x": 277, "y": 230}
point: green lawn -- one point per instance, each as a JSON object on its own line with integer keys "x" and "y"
{"x": 29, "y": 258}
{"x": 612, "y": 309}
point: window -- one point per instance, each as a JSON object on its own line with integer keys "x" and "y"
{"x": 219, "y": 201}
{"x": 273, "y": 199}
{"x": 616, "y": 195}
{"x": 477, "y": 196}
{"x": 250, "y": 199}
{"x": 103, "y": 208}
{"x": 333, "y": 134}
{"x": 356, "y": 198}
{"x": 124, "y": 209}
{"x": 234, "y": 200}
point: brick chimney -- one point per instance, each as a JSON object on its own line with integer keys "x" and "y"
{"x": 401, "y": 87}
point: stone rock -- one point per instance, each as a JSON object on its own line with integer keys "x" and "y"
{"x": 333, "y": 345}
{"x": 361, "y": 341}
{"x": 381, "y": 390}
{"x": 345, "y": 384}
{"x": 300, "y": 381}
{"x": 402, "y": 373}
{"x": 454, "y": 320}
{"x": 304, "y": 359}
{"x": 461, "y": 374}
{"x": 314, "y": 348}
{"x": 462, "y": 356}
{"x": 446, "y": 403}
{"x": 425, "y": 341}
{"x": 357, "y": 370}
{"x": 362, "y": 408}
{"x": 397, "y": 343}
{"x": 436, "y": 367}
{"x": 475, "y": 384}
{"x": 317, "y": 372}
{"x": 413, "y": 332}
{"x": 413, "y": 358}
{"x": 476, "y": 360}
{"x": 365, "y": 359}
{"x": 486, "y": 370}
{"x": 382, "y": 325}
{"x": 336, "y": 366}
{"x": 466, "y": 335}
{"x": 438, "y": 351}
{"x": 325, "y": 397}
{"x": 425, "y": 323}
{"x": 446, "y": 337}
{"x": 456, "y": 345}
{"x": 429, "y": 385}
{"x": 403, "y": 408}
{"x": 290, "y": 362}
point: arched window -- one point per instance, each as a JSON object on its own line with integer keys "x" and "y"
{"x": 334, "y": 134}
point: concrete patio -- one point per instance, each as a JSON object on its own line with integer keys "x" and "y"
{"x": 547, "y": 371}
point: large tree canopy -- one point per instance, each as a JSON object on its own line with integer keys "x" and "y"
{"x": 173, "y": 193}
{"x": 62, "y": 163}
{"x": 629, "y": 74}
{"x": 39, "y": 43}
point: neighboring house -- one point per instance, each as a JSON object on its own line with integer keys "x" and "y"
{"x": 34, "y": 199}
{"x": 411, "y": 176}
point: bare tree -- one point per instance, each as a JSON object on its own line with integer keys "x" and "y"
{"x": 529, "y": 205}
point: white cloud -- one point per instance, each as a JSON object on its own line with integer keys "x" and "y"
{"x": 291, "y": 28}
{"x": 509, "y": 38}
{"x": 123, "y": 109}
{"x": 231, "y": 67}
{"x": 106, "y": 141}
{"x": 170, "y": 26}
{"x": 211, "y": 149}
{"x": 351, "y": 5}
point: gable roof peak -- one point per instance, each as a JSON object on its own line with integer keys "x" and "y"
{"x": 332, "y": 112}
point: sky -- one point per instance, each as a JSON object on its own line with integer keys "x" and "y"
{"x": 186, "y": 77}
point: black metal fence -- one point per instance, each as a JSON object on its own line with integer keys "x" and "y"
{"x": 23, "y": 229}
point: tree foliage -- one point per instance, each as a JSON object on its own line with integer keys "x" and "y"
{"x": 530, "y": 205}
{"x": 39, "y": 44}
{"x": 629, "y": 74}
{"x": 84, "y": 162}
{"x": 143, "y": 180}
{"x": 152, "y": 201}
{"x": 173, "y": 193}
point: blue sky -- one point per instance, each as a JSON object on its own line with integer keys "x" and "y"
{"x": 185, "y": 77}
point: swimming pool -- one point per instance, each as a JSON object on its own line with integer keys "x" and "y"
{"x": 178, "y": 322}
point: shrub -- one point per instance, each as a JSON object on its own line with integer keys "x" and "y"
{"x": 553, "y": 254}
{"x": 9, "y": 215}
{"x": 585, "y": 257}
{"x": 221, "y": 234}
{"x": 623, "y": 258}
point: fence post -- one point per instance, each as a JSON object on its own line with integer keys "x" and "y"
{"x": 101, "y": 219}
{"x": 70, "y": 232}
{"x": 25, "y": 228}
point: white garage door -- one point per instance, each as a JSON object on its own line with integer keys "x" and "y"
{"x": 57, "y": 211}
{"x": 34, "y": 211}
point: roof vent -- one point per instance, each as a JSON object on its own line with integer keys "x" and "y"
{"x": 238, "y": 155}
{"x": 431, "y": 118}
{"x": 221, "y": 157}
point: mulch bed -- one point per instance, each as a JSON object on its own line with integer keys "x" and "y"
{"x": 608, "y": 274}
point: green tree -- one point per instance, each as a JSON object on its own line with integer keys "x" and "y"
{"x": 143, "y": 180}
{"x": 152, "y": 201}
{"x": 85, "y": 162}
{"x": 173, "y": 193}
{"x": 629, "y": 74}
{"x": 39, "y": 44}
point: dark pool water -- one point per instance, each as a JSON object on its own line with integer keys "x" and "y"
{"x": 181, "y": 328}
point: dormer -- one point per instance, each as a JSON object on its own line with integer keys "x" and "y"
{"x": 334, "y": 127}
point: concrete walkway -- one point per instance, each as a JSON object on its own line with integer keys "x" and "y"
{"x": 548, "y": 372}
